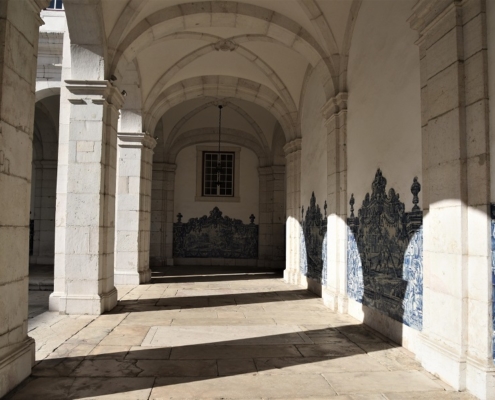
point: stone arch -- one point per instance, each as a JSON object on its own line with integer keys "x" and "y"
{"x": 344, "y": 57}
{"x": 224, "y": 86}
{"x": 88, "y": 39}
{"x": 210, "y": 135}
{"x": 51, "y": 89}
{"x": 226, "y": 103}
{"x": 206, "y": 14}
{"x": 131, "y": 113}
{"x": 315, "y": 15}
{"x": 47, "y": 131}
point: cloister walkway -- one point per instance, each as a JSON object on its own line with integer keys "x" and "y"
{"x": 225, "y": 333}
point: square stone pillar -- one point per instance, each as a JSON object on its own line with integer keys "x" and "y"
{"x": 292, "y": 272}
{"x": 85, "y": 215}
{"x": 19, "y": 23}
{"x": 133, "y": 209}
{"x": 44, "y": 212}
{"x": 457, "y": 327}
{"x": 162, "y": 214}
{"x": 335, "y": 113}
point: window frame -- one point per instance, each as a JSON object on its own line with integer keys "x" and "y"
{"x": 200, "y": 174}
{"x": 55, "y": 8}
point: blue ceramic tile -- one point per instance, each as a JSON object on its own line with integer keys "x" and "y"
{"x": 385, "y": 254}
{"x": 215, "y": 236}
{"x": 313, "y": 241}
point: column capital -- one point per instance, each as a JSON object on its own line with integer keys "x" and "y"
{"x": 37, "y": 6}
{"x": 334, "y": 105}
{"x": 49, "y": 164}
{"x": 162, "y": 166}
{"x": 97, "y": 91}
{"x": 136, "y": 140}
{"x": 427, "y": 13}
{"x": 271, "y": 170}
{"x": 293, "y": 146}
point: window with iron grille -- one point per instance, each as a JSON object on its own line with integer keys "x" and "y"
{"x": 55, "y": 5}
{"x": 208, "y": 174}
{"x": 218, "y": 173}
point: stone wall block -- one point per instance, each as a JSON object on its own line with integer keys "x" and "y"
{"x": 444, "y": 90}
{"x": 444, "y": 53}
{"x": 474, "y": 35}
{"x": 476, "y": 82}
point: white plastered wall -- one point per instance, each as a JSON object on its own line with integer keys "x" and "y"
{"x": 384, "y": 120}
{"x": 314, "y": 145}
{"x": 185, "y": 188}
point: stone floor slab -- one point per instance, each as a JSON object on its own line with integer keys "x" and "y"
{"x": 244, "y": 386}
{"x": 199, "y": 336}
{"x": 379, "y": 382}
{"x": 175, "y": 336}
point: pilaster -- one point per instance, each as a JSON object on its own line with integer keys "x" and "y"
{"x": 133, "y": 208}
{"x": 162, "y": 213}
{"x": 44, "y": 212}
{"x": 85, "y": 216}
{"x": 335, "y": 114}
{"x": 292, "y": 151}
{"x": 271, "y": 219}
{"x": 457, "y": 264}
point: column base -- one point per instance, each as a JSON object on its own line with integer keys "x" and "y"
{"x": 83, "y": 304}
{"x": 330, "y": 299}
{"x": 132, "y": 278}
{"x": 16, "y": 365}
{"x": 443, "y": 362}
{"x": 480, "y": 378}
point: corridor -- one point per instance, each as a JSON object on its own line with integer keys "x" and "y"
{"x": 210, "y": 333}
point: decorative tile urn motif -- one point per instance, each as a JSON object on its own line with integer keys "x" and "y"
{"x": 385, "y": 254}
{"x": 313, "y": 241}
{"x": 215, "y": 236}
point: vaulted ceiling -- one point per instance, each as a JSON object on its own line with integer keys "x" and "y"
{"x": 176, "y": 58}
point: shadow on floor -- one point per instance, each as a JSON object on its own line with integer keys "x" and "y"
{"x": 164, "y": 369}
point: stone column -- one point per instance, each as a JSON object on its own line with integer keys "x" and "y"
{"x": 271, "y": 218}
{"x": 457, "y": 328}
{"x": 85, "y": 227}
{"x": 44, "y": 212}
{"x": 19, "y": 22}
{"x": 335, "y": 113}
{"x": 133, "y": 208}
{"x": 162, "y": 214}
{"x": 292, "y": 151}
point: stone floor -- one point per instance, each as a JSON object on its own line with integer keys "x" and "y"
{"x": 228, "y": 334}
